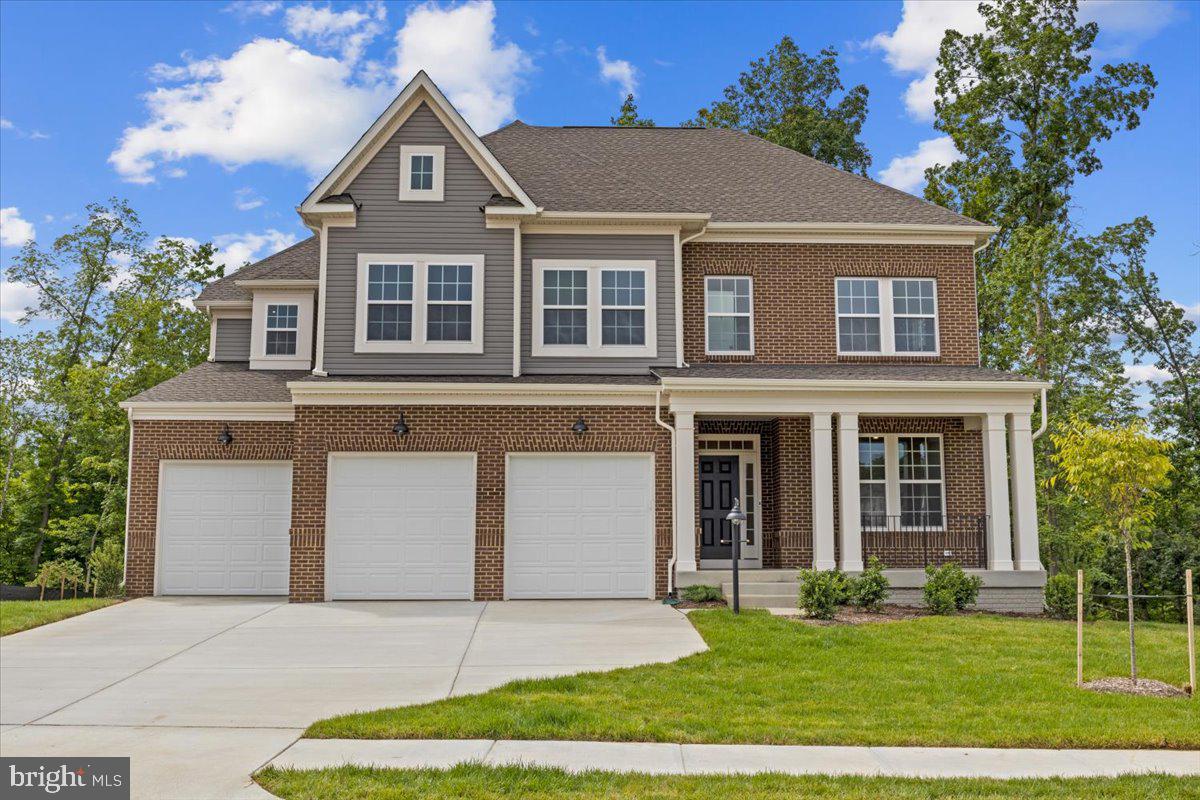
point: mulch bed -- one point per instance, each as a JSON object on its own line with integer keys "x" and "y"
{"x": 1145, "y": 687}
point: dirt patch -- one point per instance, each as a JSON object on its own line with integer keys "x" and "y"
{"x": 1148, "y": 688}
{"x": 849, "y": 615}
{"x": 706, "y": 604}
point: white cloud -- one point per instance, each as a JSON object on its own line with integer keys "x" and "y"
{"x": 236, "y": 249}
{"x": 1146, "y": 372}
{"x": 14, "y": 299}
{"x": 907, "y": 173}
{"x": 246, "y": 199}
{"x": 346, "y": 31}
{"x": 15, "y": 231}
{"x": 912, "y": 48}
{"x": 245, "y": 9}
{"x": 618, "y": 71}
{"x": 1191, "y": 312}
{"x": 271, "y": 101}
{"x": 457, "y": 46}
{"x": 6, "y": 124}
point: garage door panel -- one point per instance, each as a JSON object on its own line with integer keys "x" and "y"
{"x": 579, "y": 525}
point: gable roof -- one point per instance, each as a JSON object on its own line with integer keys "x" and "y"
{"x": 300, "y": 262}
{"x": 735, "y": 176}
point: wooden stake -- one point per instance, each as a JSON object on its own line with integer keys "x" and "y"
{"x": 1079, "y": 627}
{"x": 1191, "y": 631}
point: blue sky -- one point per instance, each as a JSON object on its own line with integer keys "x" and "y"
{"x": 213, "y": 119}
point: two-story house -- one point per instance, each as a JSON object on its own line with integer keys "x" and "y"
{"x": 544, "y": 363}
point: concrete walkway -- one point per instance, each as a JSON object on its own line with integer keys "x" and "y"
{"x": 712, "y": 759}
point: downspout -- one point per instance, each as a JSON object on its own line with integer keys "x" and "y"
{"x": 680, "y": 241}
{"x": 674, "y": 511}
{"x": 1045, "y": 417}
{"x": 517, "y": 267}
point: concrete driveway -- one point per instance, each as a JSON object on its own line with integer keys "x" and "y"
{"x": 201, "y": 692}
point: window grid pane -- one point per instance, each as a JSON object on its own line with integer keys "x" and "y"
{"x": 872, "y": 487}
{"x": 282, "y": 316}
{"x": 564, "y": 326}
{"x": 421, "y": 173}
{"x": 390, "y": 282}
{"x": 621, "y": 327}
{"x": 859, "y": 335}
{"x": 281, "y": 343}
{"x": 448, "y": 322}
{"x": 622, "y": 307}
{"x": 728, "y": 308}
{"x": 389, "y": 322}
{"x": 564, "y": 301}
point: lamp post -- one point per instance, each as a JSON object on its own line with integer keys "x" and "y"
{"x": 736, "y": 518}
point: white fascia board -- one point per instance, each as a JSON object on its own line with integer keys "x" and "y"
{"x": 243, "y": 412}
{"x": 877, "y": 233}
{"x": 221, "y": 304}
{"x": 283, "y": 283}
{"x": 880, "y": 402}
{"x": 876, "y": 386}
{"x": 420, "y": 88}
{"x": 491, "y": 394}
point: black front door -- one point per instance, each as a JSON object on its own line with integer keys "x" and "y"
{"x": 718, "y": 488}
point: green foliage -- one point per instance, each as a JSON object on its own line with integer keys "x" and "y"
{"x": 628, "y": 117}
{"x": 871, "y": 588}
{"x": 107, "y": 565}
{"x": 787, "y": 98}
{"x": 949, "y": 590}
{"x": 822, "y": 591}
{"x": 1061, "y": 595}
{"x": 701, "y": 593}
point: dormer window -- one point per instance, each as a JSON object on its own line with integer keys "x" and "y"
{"x": 281, "y": 329}
{"x": 283, "y": 323}
{"x": 422, "y": 172}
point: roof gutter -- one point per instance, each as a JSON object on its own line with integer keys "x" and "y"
{"x": 815, "y": 384}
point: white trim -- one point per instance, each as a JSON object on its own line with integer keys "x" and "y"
{"x": 336, "y": 393}
{"x": 678, "y": 298}
{"x": 420, "y": 263}
{"x": 752, "y": 457}
{"x": 232, "y": 412}
{"x": 887, "y": 319}
{"x": 437, "y": 191}
{"x": 518, "y": 302}
{"x": 594, "y": 348}
{"x": 212, "y": 305}
{"x": 749, "y": 315}
{"x": 818, "y": 384}
{"x": 848, "y": 233}
{"x": 279, "y": 284}
{"x": 302, "y": 359}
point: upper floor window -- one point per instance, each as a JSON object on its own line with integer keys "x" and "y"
{"x": 422, "y": 172}
{"x": 283, "y": 323}
{"x": 729, "y": 315}
{"x": 886, "y": 316}
{"x": 900, "y": 481}
{"x": 419, "y": 303}
{"x": 594, "y": 308}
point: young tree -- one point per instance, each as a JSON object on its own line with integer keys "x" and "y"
{"x": 787, "y": 98}
{"x": 628, "y": 117}
{"x": 1118, "y": 472}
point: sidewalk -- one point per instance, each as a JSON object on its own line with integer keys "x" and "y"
{"x": 707, "y": 759}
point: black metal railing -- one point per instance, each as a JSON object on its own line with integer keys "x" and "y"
{"x": 927, "y": 538}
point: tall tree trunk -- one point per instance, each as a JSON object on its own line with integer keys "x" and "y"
{"x": 1129, "y": 608}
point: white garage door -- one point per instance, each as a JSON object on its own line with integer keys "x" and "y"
{"x": 401, "y": 527}
{"x": 223, "y": 527}
{"x": 579, "y": 526}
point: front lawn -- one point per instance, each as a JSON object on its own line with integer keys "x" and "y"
{"x": 21, "y": 615}
{"x": 976, "y": 680}
{"x": 474, "y": 782}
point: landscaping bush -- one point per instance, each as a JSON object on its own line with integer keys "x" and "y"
{"x": 822, "y": 591}
{"x": 107, "y": 563}
{"x": 701, "y": 593}
{"x": 870, "y": 589}
{"x": 1060, "y": 595}
{"x": 948, "y": 589}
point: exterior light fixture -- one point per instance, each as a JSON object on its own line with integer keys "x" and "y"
{"x": 401, "y": 427}
{"x": 580, "y": 427}
{"x": 737, "y": 518}
{"x": 225, "y": 437}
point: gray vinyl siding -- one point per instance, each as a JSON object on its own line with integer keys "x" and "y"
{"x": 233, "y": 339}
{"x": 386, "y": 225}
{"x": 599, "y": 246}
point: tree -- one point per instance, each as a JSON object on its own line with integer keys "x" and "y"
{"x": 628, "y": 117}
{"x": 1119, "y": 473}
{"x": 787, "y": 98}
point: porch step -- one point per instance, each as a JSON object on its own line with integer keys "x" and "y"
{"x": 763, "y": 594}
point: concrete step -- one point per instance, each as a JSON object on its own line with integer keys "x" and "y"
{"x": 717, "y": 576}
{"x": 763, "y": 595}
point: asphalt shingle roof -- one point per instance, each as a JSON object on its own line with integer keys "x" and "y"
{"x": 223, "y": 382}
{"x": 301, "y": 261}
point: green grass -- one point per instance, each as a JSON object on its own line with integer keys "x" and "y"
{"x": 976, "y": 680}
{"x": 21, "y": 615}
{"x": 474, "y": 782}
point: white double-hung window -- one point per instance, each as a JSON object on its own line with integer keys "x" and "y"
{"x": 728, "y": 315}
{"x": 900, "y": 482}
{"x": 886, "y": 316}
{"x": 419, "y": 303}
{"x": 602, "y": 308}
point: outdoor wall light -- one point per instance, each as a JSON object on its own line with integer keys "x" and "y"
{"x": 580, "y": 427}
{"x": 401, "y": 427}
{"x": 225, "y": 437}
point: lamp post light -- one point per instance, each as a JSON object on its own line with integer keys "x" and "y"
{"x": 736, "y": 518}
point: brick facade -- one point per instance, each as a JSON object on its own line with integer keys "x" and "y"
{"x": 794, "y": 311}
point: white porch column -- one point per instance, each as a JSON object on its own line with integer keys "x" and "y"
{"x": 995, "y": 491}
{"x": 850, "y": 521}
{"x": 1024, "y": 502}
{"x": 685, "y": 491}
{"x": 822, "y": 490}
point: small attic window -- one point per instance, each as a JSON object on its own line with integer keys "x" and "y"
{"x": 422, "y": 172}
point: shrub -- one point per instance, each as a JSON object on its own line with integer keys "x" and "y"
{"x": 870, "y": 589}
{"x": 1060, "y": 595}
{"x": 701, "y": 593}
{"x": 821, "y": 592}
{"x": 108, "y": 567}
{"x": 948, "y": 589}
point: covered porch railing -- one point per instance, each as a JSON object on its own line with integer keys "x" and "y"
{"x": 919, "y": 539}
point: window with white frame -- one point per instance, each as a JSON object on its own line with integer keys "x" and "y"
{"x": 419, "y": 303}
{"x": 886, "y": 316}
{"x": 594, "y": 308}
{"x": 901, "y": 478}
{"x": 422, "y": 172}
{"x": 283, "y": 324}
{"x": 729, "y": 315}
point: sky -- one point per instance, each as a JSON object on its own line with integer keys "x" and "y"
{"x": 214, "y": 119}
